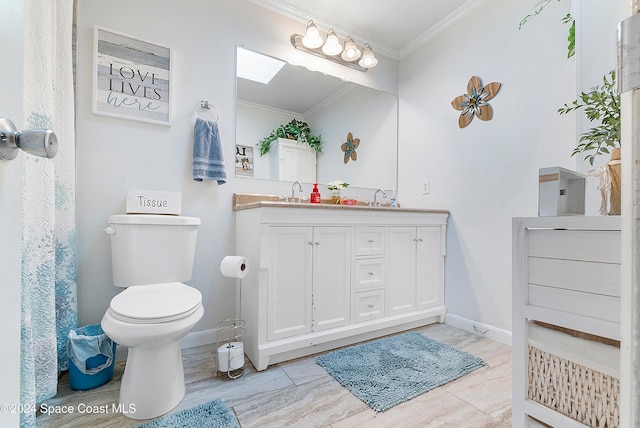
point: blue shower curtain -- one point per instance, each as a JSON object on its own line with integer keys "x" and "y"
{"x": 48, "y": 307}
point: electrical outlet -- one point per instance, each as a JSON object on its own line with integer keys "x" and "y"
{"x": 426, "y": 187}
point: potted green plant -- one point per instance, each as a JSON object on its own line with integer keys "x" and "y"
{"x": 294, "y": 130}
{"x": 602, "y": 104}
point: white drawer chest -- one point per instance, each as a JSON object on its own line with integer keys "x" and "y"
{"x": 566, "y": 321}
{"x": 322, "y": 277}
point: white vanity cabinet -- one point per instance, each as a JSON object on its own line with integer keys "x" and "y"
{"x": 319, "y": 276}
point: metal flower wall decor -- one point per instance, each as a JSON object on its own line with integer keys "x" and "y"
{"x": 474, "y": 102}
{"x": 349, "y": 148}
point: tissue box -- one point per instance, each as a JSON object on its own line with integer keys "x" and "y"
{"x": 153, "y": 202}
{"x": 560, "y": 192}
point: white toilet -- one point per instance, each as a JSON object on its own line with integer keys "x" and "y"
{"x": 151, "y": 256}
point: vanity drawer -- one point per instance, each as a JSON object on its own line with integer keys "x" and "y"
{"x": 369, "y": 273}
{"x": 370, "y": 241}
{"x": 367, "y": 305}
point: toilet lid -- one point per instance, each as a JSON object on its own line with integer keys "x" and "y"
{"x": 156, "y": 302}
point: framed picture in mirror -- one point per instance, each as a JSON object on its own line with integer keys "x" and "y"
{"x": 244, "y": 160}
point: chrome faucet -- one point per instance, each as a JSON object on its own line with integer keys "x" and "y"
{"x": 293, "y": 191}
{"x": 375, "y": 197}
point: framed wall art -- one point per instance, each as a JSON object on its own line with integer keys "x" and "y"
{"x": 132, "y": 78}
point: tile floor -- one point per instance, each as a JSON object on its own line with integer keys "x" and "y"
{"x": 300, "y": 393}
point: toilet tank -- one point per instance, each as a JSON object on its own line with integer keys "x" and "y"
{"x": 152, "y": 249}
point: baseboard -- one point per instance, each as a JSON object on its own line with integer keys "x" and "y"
{"x": 486, "y": 330}
{"x": 199, "y": 338}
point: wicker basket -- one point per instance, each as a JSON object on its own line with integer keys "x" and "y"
{"x": 576, "y": 391}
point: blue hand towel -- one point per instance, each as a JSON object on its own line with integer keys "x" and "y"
{"x": 208, "y": 162}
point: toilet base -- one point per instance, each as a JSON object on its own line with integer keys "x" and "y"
{"x": 153, "y": 381}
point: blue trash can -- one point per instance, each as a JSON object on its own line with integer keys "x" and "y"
{"x": 91, "y": 357}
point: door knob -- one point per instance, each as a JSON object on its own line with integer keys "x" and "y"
{"x": 38, "y": 142}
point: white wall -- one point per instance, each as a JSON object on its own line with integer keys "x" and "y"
{"x": 114, "y": 155}
{"x": 487, "y": 172}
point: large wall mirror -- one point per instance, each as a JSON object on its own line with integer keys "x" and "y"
{"x": 332, "y": 108}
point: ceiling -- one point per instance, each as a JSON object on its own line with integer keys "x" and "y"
{"x": 393, "y": 28}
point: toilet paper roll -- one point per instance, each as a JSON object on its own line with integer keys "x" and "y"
{"x": 234, "y": 267}
{"x": 231, "y": 356}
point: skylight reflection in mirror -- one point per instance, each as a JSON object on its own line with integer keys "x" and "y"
{"x": 257, "y": 67}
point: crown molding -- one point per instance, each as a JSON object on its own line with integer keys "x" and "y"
{"x": 295, "y": 114}
{"x": 468, "y": 7}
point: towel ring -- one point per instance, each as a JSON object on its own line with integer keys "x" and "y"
{"x": 208, "y": 106}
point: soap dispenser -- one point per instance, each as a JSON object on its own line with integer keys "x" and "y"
{"x": 315, "y": 195}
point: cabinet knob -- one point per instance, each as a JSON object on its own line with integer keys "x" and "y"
{"x": 310, "y": 242}
{"x": 371, "y": 241}
{"x": 370, "y": 273}
{"x": 370, "y": 305}
{"x": 419, "y": 239}
{"x": 317, "y": 242}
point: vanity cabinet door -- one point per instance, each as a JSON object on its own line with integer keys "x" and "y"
{"x": 416, "y": 278}
{"x": 289, "y": 286}
{"x": 429, "y": 267}
{"x": 401, "y": 269}
{"x": 331, "y": 277}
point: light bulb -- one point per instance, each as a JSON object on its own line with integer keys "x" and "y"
{"x": 332, "y": 46}
{"x": 351, "y": 51}
{"x": 368, "y": 60}
{"x": 312, "y": 37}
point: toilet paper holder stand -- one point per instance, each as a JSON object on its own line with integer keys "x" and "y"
{"x": 229, "y": 338}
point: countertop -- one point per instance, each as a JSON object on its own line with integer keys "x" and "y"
{"x": 248, "y": 201}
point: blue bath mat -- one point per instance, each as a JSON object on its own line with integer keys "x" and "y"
{"x": 214, "y": 414}
{"x": 390, "y": 371}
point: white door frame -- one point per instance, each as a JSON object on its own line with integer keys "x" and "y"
{"x": 11, "y": 102}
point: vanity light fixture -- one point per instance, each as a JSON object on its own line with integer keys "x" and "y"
{"x": 347, "y": 53}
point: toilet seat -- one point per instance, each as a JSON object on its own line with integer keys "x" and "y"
{"x": 155, "y": 303}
